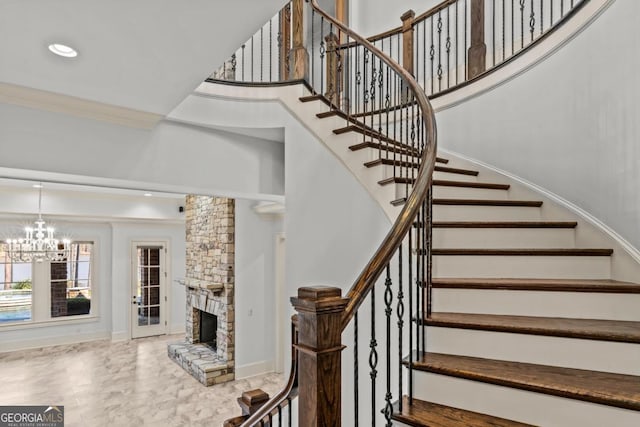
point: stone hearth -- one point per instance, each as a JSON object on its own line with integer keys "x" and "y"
{"x": 209, "y": 287}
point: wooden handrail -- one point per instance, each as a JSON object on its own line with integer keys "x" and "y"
{"x": 401, "y": 226}
{"x": 425, "y": 15}
{"x": 289, "y": 391}
{"x": 374, "y": 268}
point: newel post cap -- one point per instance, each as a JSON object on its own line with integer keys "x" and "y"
{"x": 319, "y": 299}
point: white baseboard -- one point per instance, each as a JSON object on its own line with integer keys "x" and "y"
{"x": 120, "y": 336}
{"x": 253, "y": 369}
{"x": 52, "y": 341}
{"x": 177, "y": 329}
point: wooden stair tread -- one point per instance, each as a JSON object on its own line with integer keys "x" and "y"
{"x": 477, "y": 202}
{"x": 527, "y": 252}
{"x": 310, "y": 98}
{"x": 603, "y": 330}
{"x": 487, "y": 202}
{"x": 550, "y": 285}
{"x": 329, "y": 113}
{"x": 391, "y": 162}
{"x": 605, "y": 388}
{"x": 447, "y": 183}
{"x": 421, "y": 413}
{"x": 504, "y": 224}
{"x": 404, "y": 150}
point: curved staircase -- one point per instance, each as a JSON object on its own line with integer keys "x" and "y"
{"x": 525, "y": 313}
{"x": 517, "y": 305}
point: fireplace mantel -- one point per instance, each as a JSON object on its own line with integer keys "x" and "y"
{"x": 201, "y": 284}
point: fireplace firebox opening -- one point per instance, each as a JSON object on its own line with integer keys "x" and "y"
{"x": 208, "y": 329}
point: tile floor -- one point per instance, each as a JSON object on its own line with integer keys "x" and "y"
{"x": 120, "y": 384}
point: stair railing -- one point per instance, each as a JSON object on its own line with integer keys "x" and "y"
{"x": 264, "y": 57}
{"x": 458, "y": 41}
{"x": 444, "y": 48}
{"x": 381, "y": 102}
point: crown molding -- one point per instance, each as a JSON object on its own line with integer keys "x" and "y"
{"x": 65, "y": 104}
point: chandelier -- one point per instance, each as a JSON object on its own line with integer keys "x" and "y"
{"x": 39, "y": 243}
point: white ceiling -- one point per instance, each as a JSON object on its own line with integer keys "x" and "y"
{"x": 145, "y": 55}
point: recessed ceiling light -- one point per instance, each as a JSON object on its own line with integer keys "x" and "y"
{"x": 148, "y": 194}
{"x": 37, "y": 186}
{"x": 63, "y": 50}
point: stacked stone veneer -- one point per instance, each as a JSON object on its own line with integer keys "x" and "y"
{"x": 210, "y": 244}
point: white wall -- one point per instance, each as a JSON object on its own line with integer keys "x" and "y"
{"x": 569, "y": 124}
{"x": 255, "y": 292}
{"x": 175, "y": 156}
{"x": 371, "y": 17}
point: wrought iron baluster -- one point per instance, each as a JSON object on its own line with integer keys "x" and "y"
{"x": 388, "y": 300}
{"x": 513, "y": 29}
{"x": 312, "y": 73}
{"x": 448, "y": 48}
{"x": 439, "y": 51}
{"x": 561, "y": 8}
{"x": 252, "y": 59}
{"x": 261, "y": 53}
{"x": 493, "y": 31}
{"x": 541, "y": 16}
{"x": 233, "y": 66}
{"x": 522, "y": 24}
{"x": 504, "y": 42}
{"x": 465, "y": 41}
{"x": 429, "y": 262}
{"x": 356, "y": 379}
{"x": 243, "y": 48}
{"x": 457, "y": 33}
{"x": 279, "y": 416}
{"x": 400, "y": 314}
{"x": 432, "y": 53}
{"x": 373, "y": 356}
{"x": 532, "y": 21}
{"x": 322, "y": 52}
{"x": 270, "y": 49}
{"x": 358, "y": 80}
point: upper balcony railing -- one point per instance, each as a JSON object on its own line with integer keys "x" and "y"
{"x": 445, "y": 47}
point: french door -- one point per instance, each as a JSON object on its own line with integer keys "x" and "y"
{"x": 148, "y": 289}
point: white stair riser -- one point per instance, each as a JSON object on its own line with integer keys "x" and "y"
{"x": 580, "y": 305}
{"x": 446, "y": 192}
{"x": 593, "y": 355}
{"x": 558, "y": 267}
{"x": 503, "y": 238}
{"x": 387, "y": 171}
{"x": 485, "y": 213}
{"x": 519, "y": 405}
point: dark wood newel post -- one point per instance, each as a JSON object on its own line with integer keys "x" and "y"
{"x": 299, "y": 56}
{"x": 477, "y": 53}
{"x": 407, "y": 40}
{"x": 320, "y": 311}
{"x": 285, "y": 41}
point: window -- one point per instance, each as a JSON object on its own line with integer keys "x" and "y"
{"x": 71, "y": 282}
{"x": 25, "y": 286}
{"x": 15, "y": 288}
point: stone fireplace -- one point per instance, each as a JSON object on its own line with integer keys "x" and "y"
{"x": 209, "y": 291}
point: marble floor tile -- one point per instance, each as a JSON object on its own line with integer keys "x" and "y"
{"x": 132, "y": 383}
